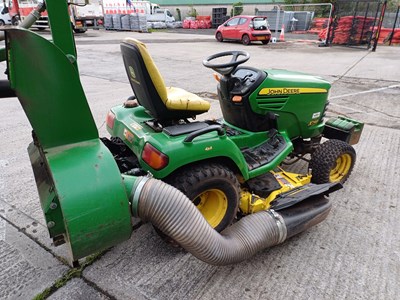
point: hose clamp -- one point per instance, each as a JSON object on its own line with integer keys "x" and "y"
{"x": 280, "y": 224}
{"x": 135, "y": 195}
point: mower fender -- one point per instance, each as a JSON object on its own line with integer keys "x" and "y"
{"x": 208, "y": 144}
{"x": 82, "y": 195}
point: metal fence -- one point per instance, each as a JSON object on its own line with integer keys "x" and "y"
{"x": 357, "y": 23}
{"x": 363, "y": 23}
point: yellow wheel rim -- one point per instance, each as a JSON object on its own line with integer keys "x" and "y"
{"x": 213, "y": 204}
{"x": 341, "y": 168}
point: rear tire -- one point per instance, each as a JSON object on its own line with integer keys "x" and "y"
{"x": 79, "y": 30}
{"x": 265, "y": 42}
{"x": 15, "y": 21}
{"x": 246, "y": 40}
{"x": 219, "y": 37}
{"x": 2, "y": 23}
{"x": 213, "y": 188}
{"x": 332, "y": 161}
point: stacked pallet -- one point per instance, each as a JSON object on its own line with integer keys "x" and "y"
{"x": 353, "y": 30}
{"x": 186, "y": 23}
{"x": 204, "y": 21}
{"x": 318, "y": 25}
{"x": 108, "y": 23}
{"x": 134, "y": 21}
{"x": 138, "y": 22}
{"x": 386, "y": 34}
{"x": 116, "y": 21}
{"x": 125, "y": 22}
{"x": 201, "y": 22}
{"x": 219, "y": 16}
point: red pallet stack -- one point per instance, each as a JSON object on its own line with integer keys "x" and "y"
{"x": 201, "y": 22}
{"x": 384, "y": 36}
{"x": 352, "y": 29}
{"x": 318, "y": 25}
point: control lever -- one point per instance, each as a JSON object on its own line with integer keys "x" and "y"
{"x": 273, "y": 137}
{"x": 273, "y": 131}
{"x": 247, "y": 76}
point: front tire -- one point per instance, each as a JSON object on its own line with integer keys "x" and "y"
{"x": 15, "y": 21}
{"x": 246, "y": 40}
{"x": 332, "y": 161}
{"x": 213, "y": 188}
{"x": 79, "y": 30}
{"x": 219, "y": 37}
{"x": 265, "y": 42}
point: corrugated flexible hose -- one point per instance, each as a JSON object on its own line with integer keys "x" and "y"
{"x": 174, "y": 214}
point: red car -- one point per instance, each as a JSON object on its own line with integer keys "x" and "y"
{"x": 245, "y": 29}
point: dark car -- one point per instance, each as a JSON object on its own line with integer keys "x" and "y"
{"x": 245, "y": 29}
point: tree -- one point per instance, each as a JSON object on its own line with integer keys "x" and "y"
{"x": 192, "y": 12}
{"x": 237, "y": 9}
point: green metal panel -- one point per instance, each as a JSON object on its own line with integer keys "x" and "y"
{"x": 300, "y": 113}
{"x": 48, "y": 86}
{"x": 129, "y": 125}
{"x": 206, "y": 146}
{"x": 61, "y": 27}
{"x": 92, "y": 196}
{"x": 81, "y": 190}
{"x": 82, "y": 196}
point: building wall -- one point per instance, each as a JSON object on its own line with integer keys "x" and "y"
{"x": 210, "y": 2}
{"x": 206, "y": 10}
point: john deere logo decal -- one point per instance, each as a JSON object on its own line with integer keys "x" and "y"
{"x": 132, "y": 75}
{"x": 290, "y": 91}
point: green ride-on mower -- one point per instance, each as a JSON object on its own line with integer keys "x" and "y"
{"x": 90, "y": 188}
{"x": 233, "y": 166}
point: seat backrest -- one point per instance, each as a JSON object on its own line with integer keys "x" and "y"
{"x": 144, "y": 77}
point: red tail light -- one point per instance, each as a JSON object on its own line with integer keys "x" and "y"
{"x": 110, "y": 119}
{"x": 154, "y": 158}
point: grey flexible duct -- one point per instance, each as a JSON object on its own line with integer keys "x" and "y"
{"x": 174, "y": 214}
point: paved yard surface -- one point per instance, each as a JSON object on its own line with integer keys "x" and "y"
{"x": 354, "y": 254}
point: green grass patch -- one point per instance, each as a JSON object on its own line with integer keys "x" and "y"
{"x": 71, "y": 273}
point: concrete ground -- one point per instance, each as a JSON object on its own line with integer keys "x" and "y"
{"x": 354, "y": 254}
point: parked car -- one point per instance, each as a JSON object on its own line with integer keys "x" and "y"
{"x": 5, "y": 18}
{"x": 245, "y": 29}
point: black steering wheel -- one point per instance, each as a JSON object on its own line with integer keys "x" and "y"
{"x": 229, "y": 67}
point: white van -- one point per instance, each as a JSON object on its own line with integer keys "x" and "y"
{"x": 5, "y": 18}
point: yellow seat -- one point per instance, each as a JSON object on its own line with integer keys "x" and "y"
{"x": 163, "y": 103}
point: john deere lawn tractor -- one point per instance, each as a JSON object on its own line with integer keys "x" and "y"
{"x": 90, "y": 188}
{"x": 232, "y": 166}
